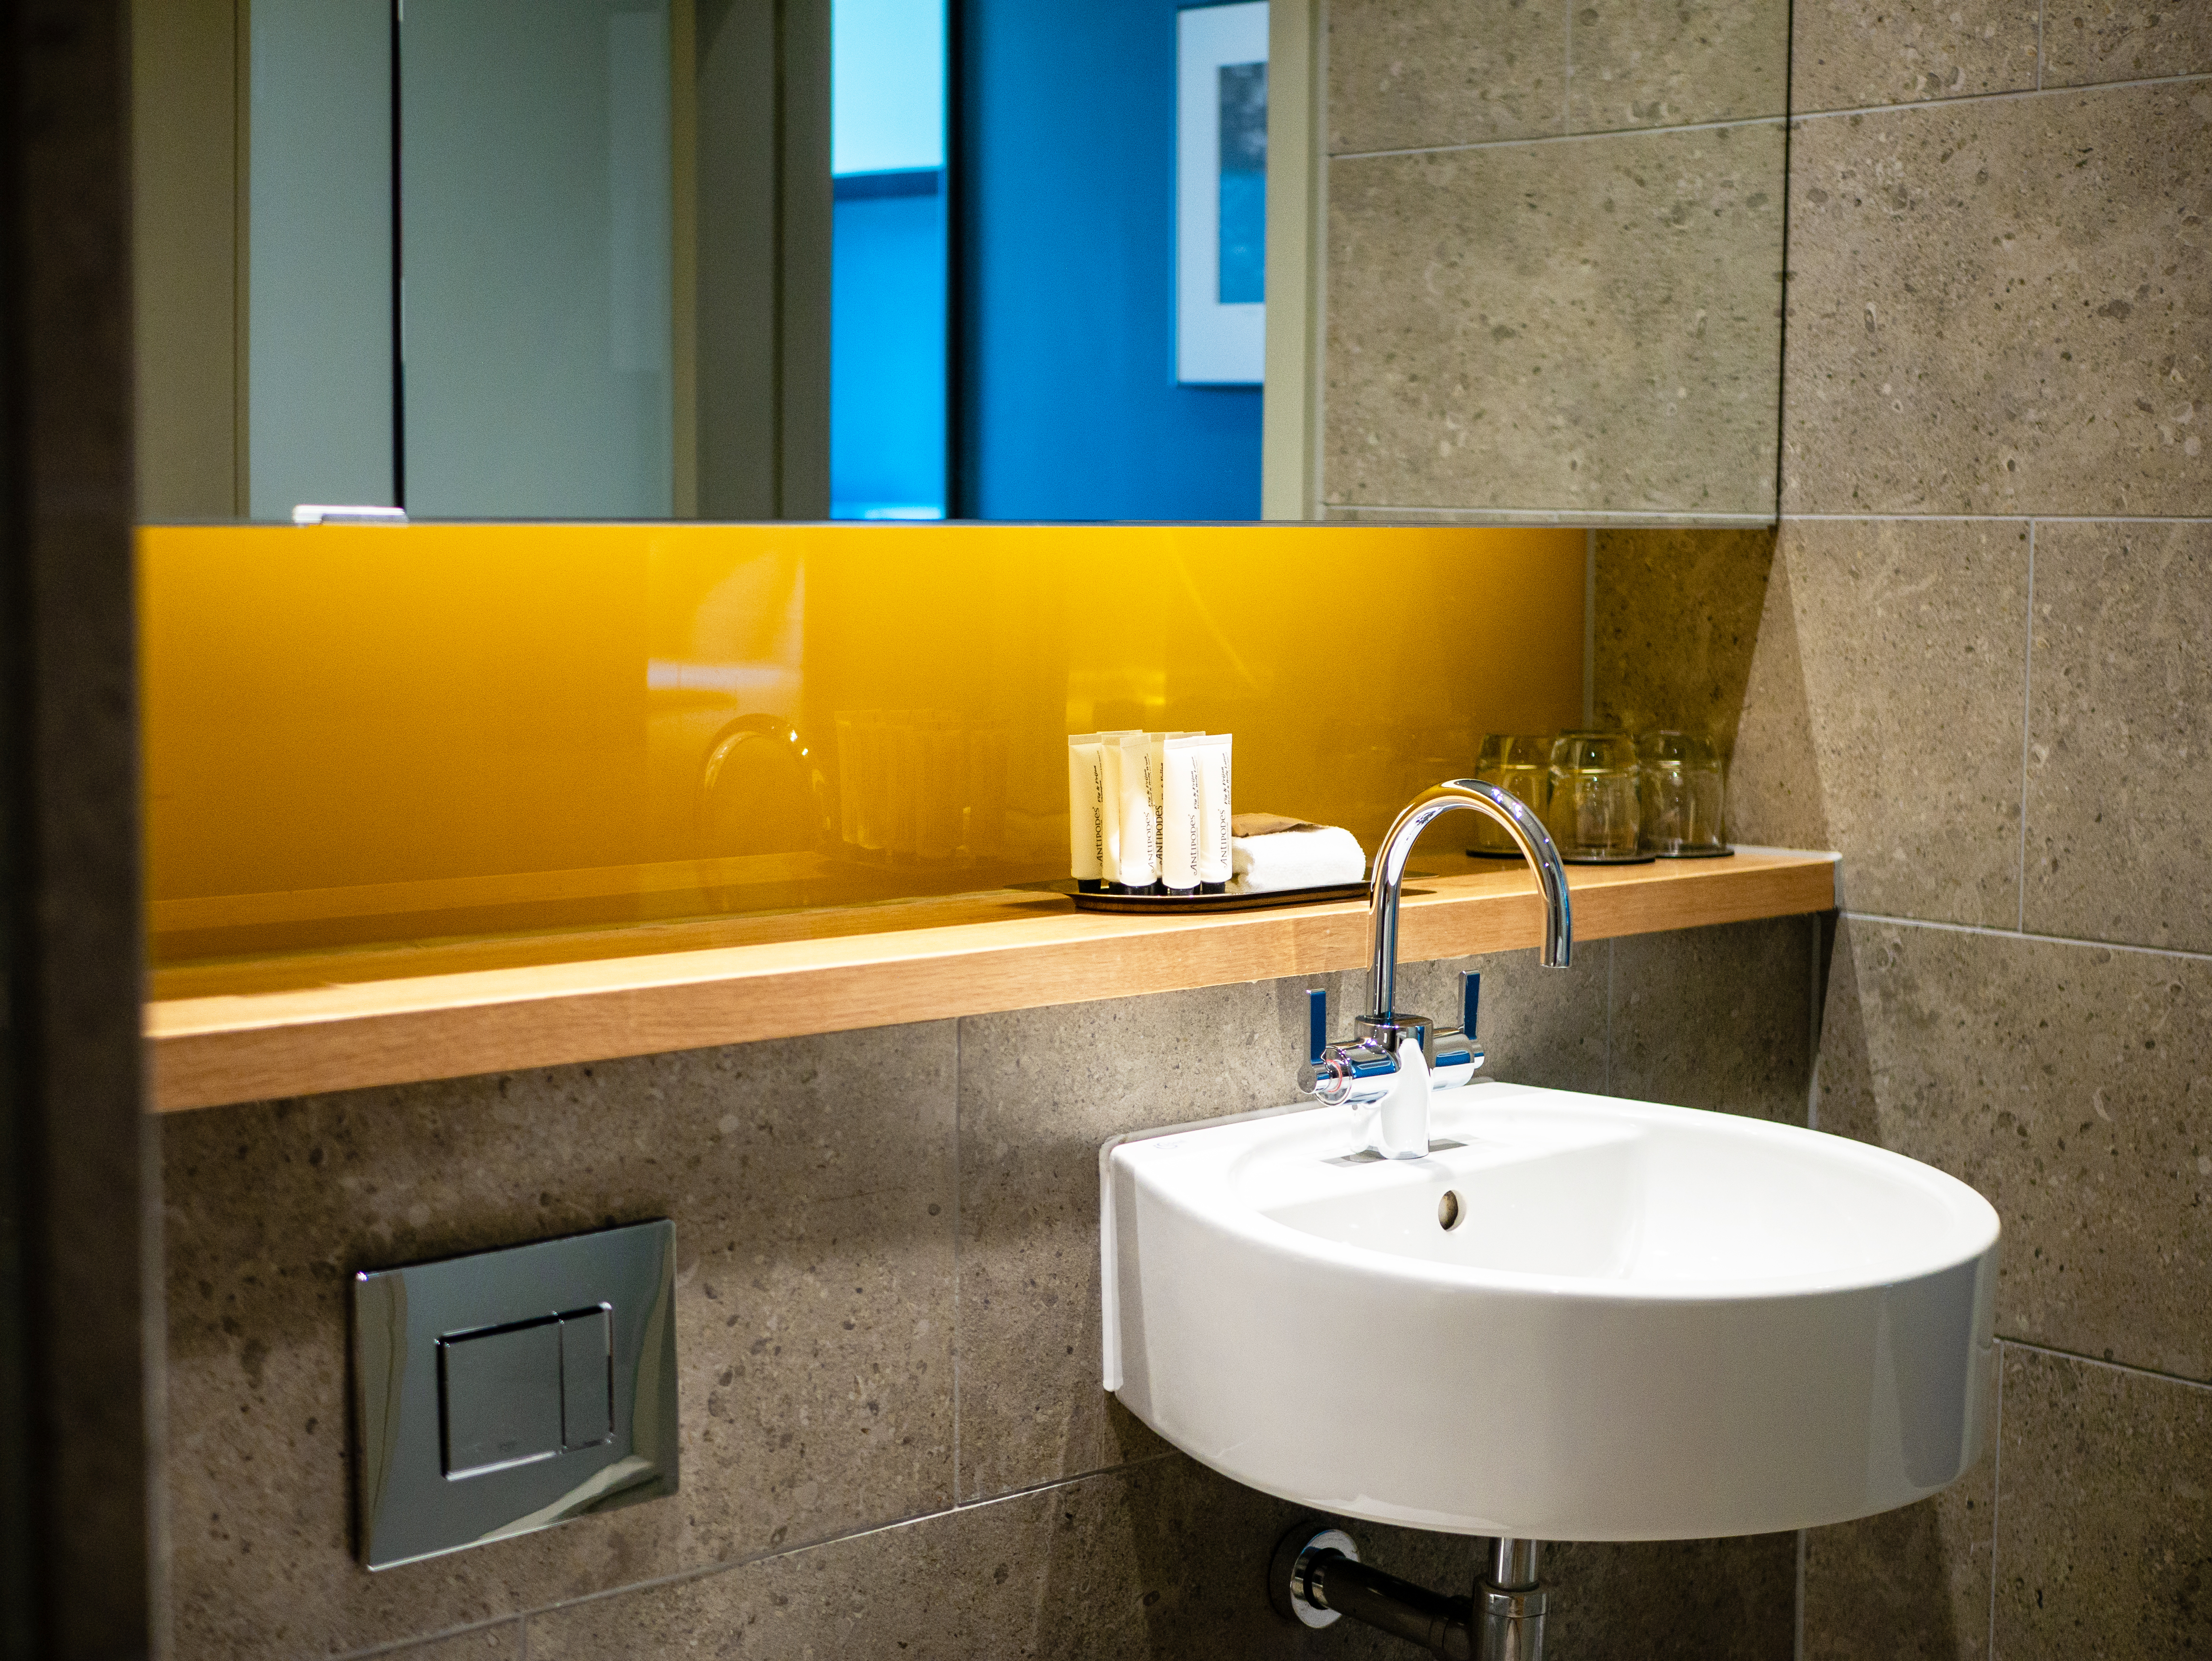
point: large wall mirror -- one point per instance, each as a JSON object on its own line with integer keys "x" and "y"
{"x": 1007, "y": 259}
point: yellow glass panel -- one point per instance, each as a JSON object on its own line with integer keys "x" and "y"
{"x": 361, "y": 735}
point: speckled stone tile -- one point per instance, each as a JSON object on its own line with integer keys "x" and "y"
{"x": 1910, "y": 1584}
{"x": 2072, "y": 1085}
{"x": 1882, "y": 714}
{"x": 1160, "y": 1559}
{"x": 1718, "y": 1017}
{"x": 1039, "y": 1091}
{"x": 1673, "y": 1600}
{"x": 2000, "y": 306}
{"x": 1538, "y": 1026}
{"x": 500, "y": 1643}
{"x": 811, "y": 1181}
{"x": 1592, "y": 325}
{"x": 2105, "y": 1512}
{"x": 2119, "y": 776}
{"x": 1848, "y": 54}
{"x": 1407, "y": 73}
{"x": 2086, "y": 41}
{"x": 1634, "y": 64}
{"x": 1674, "y": 627}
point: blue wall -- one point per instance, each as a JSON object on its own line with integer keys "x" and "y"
{"x": 1069, "y": 405}
{"x": 887, "y": 347}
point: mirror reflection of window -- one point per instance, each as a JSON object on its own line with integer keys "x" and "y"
{"x": 887, "y": 385}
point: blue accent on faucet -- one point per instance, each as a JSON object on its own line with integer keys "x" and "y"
{"x": 1316, "y": 1024}
{"x": 1470, "y": 998}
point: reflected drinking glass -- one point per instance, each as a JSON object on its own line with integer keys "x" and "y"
{"x": 1520, "y": 765}
{"x": 1592, "y": 808}
{"x": 1682, "y": 792}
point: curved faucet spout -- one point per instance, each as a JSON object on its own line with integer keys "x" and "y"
{"x": 1529, "y": 835}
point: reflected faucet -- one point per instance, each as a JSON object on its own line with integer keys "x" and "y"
{"x": 1377, "y": 1067}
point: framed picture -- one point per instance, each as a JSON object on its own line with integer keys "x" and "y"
{"x": 1221, "y": 193}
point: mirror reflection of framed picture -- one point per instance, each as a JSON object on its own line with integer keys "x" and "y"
{"x": 1221, "y": 193}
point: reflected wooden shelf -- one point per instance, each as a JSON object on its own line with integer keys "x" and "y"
{"x": 255, "y": 1030}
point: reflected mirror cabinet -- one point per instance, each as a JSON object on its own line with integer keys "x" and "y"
{"x": 1427, "y": 260}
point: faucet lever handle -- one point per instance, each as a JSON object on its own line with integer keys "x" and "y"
{"x": 1316, "y": 1024}
{"x": 1470, "y": 1000}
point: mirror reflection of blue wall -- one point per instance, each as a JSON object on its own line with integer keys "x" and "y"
{"x": 1070, "y": 405}
{"x": 887, "y": 392}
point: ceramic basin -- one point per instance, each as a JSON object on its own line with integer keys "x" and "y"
{"x": 1646, "y": 1323}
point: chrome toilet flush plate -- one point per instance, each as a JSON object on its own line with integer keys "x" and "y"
{"x": 505, "y": 1392}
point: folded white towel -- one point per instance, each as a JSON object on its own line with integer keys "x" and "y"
{"x": 1312, "y": 857}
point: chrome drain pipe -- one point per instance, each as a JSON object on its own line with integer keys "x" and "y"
{"x": 1316, "y": 1578}
{"x": 1510, "y": 1605}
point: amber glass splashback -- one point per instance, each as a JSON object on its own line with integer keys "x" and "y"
{"x": 361, "y": 736}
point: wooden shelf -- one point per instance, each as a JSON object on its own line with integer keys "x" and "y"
{"x": 251, "y": 1031}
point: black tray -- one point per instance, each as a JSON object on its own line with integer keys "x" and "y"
{"x": 1610, "y": 859}
{"x": 1177, "y": 905}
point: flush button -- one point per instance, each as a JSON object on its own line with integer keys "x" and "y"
{"x": 501, "y": 1398}
{"x": 588, "y": 1414}
{"x": 512, "y": 1389}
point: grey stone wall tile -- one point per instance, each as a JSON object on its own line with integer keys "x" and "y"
{"x": 2091, "y": 40}
{"x": 2119, "y": 777}
{"x": 2069, "y": 1085}
{"x": 1718, "y": 1017}
{"x": 1538, "y": 1026}
{"x": 502, "y": 1642}
{"x": 1882, "y": 714}
{"x": 2105, "y": 1516}
{"x": 2000, "y": 306}
{"x": 1039, "y": 1091}
{"x": 1675, "y": 627}
{"x": 811, "y": 1185}
{"x": 1162, "y": 1559}
{"x": 1673, "y": 1600}
{"x": 1910, "y": 1584}
{"x": 1407, "y": 73}
{"x": 1586, "y": 326}
{"x": 1848, "y": 54}
{"x": 1634, "y": 64}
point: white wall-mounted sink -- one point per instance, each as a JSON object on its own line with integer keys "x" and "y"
{"x": 1648, "y": 1323}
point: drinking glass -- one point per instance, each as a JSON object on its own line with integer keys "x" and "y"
{"x": 1520, "y": 765}
{"x": 1592, "y": 807}
{"x": 1682, "y": 792}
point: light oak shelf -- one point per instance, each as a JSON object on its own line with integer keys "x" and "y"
{"x": 253, "y": 1032}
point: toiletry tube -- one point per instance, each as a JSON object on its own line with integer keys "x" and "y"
{"x": 1086, "y": 811}
{"x": 1133, "y": 790}
{"x": 1110, "y": 805}
{"x": 1181, "y": 821}
{"x": 1109, "y": 810}
{"x": 1214, "y": 814}
{"x": 1155, "y": 747}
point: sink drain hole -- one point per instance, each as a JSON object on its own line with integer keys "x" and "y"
{"x": 1449, "y": 1210}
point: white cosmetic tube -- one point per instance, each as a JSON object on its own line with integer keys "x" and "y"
{"x": 1110, "y": 805}
{"x": 1086, "y": 811}
{"x": 1133, "y": 790}
{"x": 1156, "y": 745}
{"x": 1214, "y": 811}
{"x": 1181, "y": 821}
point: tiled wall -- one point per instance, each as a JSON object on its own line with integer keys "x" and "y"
{"x": 1977, "y": 660}
{"x": 895, "y": 1444}
{"x": 1554, "y": 263}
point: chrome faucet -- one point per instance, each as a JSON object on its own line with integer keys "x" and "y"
{"x": 1393, "y": 1060}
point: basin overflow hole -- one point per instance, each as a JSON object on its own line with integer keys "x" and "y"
{"x": 1449, "y": 1210}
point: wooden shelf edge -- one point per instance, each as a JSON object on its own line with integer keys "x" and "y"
{"x": 210, "y": 1051}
